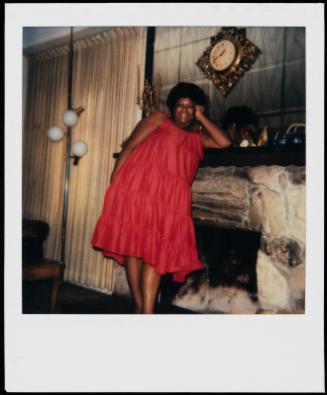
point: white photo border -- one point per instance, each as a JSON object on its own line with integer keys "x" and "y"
{"x": 107, "y": 353}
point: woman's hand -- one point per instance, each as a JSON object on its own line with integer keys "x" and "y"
{"x": 199, "y": 112}
{"x": 212, "y": 136}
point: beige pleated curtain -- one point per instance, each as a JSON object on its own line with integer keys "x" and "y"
{"x": 105, "y": 83}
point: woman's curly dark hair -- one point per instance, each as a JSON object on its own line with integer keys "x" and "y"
{"x": 185, "y": 89}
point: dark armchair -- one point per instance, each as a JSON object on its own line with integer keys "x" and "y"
{"x": 35, "y": 266}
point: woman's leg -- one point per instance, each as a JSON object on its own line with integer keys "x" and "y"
{"x": 150, "y": 286}
{"x": 133, "y": 268}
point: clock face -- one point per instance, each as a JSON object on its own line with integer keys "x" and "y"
{"x": 222, "y": 55}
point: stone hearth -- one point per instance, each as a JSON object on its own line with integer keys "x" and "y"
{"x": 268, "y": 199}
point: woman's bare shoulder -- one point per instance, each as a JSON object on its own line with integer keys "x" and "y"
{"x": 160, "y": 115}
{"x": 156, "y": 118}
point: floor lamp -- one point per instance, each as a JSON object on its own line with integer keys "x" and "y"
{"x": 79, "y": 147}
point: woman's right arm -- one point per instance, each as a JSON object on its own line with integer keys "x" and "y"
{"x": 145, "y": 127}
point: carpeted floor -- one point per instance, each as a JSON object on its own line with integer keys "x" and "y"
{"x": 73, "y": 299}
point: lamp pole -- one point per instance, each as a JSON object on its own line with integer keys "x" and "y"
{"x": 68, "y": 144}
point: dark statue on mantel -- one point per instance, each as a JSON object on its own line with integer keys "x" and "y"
{"x": 241, "y": 124}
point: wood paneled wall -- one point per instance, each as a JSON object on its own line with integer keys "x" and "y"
{"x": 274, "y": 87}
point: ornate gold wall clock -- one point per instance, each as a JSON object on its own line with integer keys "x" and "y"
{"x": 228, "y": 57}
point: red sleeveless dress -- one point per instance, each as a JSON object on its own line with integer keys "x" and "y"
{"x": 147, "y": 207}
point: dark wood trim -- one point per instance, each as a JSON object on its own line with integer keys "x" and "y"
{"x": 254, "y": 156}
{"x": 149, "y": 53}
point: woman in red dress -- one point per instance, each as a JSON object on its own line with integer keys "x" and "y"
{"x": 146, "y": 221}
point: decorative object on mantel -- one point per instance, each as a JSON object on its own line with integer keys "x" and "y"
{"x": 263, "y": 137}
{"x": 294, "y": 135}
{"x": 228, "y": 57}
{"x": 241, "y": 124}
{"x": 55, "y": 134}
{"x": 247, "y": 142}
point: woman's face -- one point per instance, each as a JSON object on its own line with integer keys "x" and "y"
{"x": 184, "y": 112}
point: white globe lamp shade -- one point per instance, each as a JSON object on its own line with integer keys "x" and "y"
{"x": 79, "y": 148}
{"x": 55, "y": 133}
{"x": 70, "y": 118}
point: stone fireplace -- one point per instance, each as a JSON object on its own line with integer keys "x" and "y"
{"x": 265, "y": 199}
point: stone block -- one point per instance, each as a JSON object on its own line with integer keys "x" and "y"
{"x": 269, "y": 176}
{"x": 242, "y": 303}
{"x": 273, "y": 287}
{"x": 296, "y": 174}
{"x": 224, "y": 186}
{"x": 192, "y": 299}
{"x": 256, "y": 220}
{"x": 205, "y": 173}
{"x": 274, "y": 213}
{"x": 220, "y": 197}
{"x": 243, "y": 172}
{"x": 220, "y": 299}
{"x": 298, "y": 198}
{"x": 214, "y": 217}
{"x": 230, "y": 300}
{"x": 283, "y": 251}
{"x": 223, "y": 221}
{"x": 297, "y": 229}
{"x": 220, "y": 180}
{"x": 217, "y": 200}
{"x": 297, "y": 284}
{"x": 297, "y": 212}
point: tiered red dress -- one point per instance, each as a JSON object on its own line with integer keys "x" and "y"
{"x": 147, "y": 207}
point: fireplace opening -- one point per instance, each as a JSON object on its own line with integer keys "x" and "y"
{"x": 229, "y": 256}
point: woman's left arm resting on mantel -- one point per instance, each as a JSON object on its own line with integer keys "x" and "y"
{"x": 212, "y": 136}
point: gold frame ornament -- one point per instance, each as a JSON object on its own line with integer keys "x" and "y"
{"x": 244, "y": 55}
{"x": 150, "y": 99}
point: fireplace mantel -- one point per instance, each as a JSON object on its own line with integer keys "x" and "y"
{"x": 254, "y": 156}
